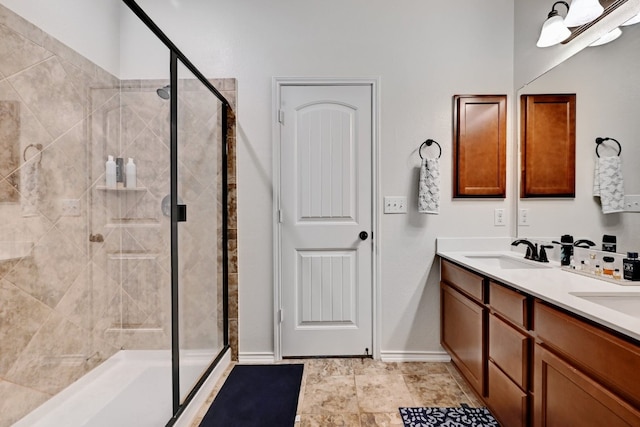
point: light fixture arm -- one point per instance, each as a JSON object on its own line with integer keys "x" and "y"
{"x": 554, "y": 12}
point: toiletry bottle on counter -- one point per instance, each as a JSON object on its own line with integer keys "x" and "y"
{"x": 110, "y": 172}
{"x": 607, "y": 266}
{"x": 566, "y": 249}
{"x": 609, "y": 243}
{"x": 631, "y": 267}
{"x": 131, "y": 173}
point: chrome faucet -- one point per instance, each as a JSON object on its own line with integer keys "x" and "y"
{"x": 532, "y": 250}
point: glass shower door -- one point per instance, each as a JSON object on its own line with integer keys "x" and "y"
{"x": 200, "y": 229}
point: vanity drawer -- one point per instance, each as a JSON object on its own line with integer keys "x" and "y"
{"x": 466, "y": 281}
{"x": 509, "y": 349}
{"x": 509, "y": 303}
{"x": 601, "y": 354}
{"x": 505, "y": 399}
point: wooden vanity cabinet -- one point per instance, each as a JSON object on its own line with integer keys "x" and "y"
{"x": 534, "y": 364}
{"x": 583, "y": 374}
{"x": 509, "y": 355}
{"x": 463, "y": 322}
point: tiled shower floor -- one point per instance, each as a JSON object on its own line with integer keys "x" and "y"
{"x": 365, "y": 392}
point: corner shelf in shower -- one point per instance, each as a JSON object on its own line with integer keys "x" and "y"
{"x": 119, "y": 189}
{"x": 132, "y": 223}
{"x": 130, "y": 255}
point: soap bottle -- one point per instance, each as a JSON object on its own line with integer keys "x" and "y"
{"x": 131, "y": 178}
{"x": 110, "y": 172}
{"x": 631, "y": 267}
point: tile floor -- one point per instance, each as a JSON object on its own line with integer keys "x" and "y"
{"x": 368, "y": 393}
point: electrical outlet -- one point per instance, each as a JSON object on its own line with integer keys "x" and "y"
{"x": 523, "y": 217}
{"x": 631, "y": 203}
{"x": 498, "y": 217}
{"x": 70, "y": 207}
{"x": 395, "y": 204}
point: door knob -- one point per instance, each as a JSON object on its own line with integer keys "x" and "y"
{"x": 363, "y": 235}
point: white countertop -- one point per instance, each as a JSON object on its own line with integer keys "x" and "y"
{"x": 554, "y": 285}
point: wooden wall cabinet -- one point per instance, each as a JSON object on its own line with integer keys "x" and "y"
{"x": 548, "y": 145}
{"x": 480, "y": 145}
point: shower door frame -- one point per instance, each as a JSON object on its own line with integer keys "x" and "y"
{"x": 175, "y": 56}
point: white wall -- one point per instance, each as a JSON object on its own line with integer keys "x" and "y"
{"x": 92, "y": 28}
{"x": 424, "y": 52}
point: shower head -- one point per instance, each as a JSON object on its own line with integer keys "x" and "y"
{"x": 164, "y": 92}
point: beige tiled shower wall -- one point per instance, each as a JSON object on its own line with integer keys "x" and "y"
{"x": 97, "y": 280}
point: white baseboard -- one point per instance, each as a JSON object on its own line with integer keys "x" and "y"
{"x": 193, "y": 410}
{"x": 256, "y": 357}
{"x": 414, "y": 356}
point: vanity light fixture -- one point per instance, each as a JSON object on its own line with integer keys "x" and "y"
{"x": 609, "y": 37}
{"x": 582, "y": 12}
{"x": 554, "y": 29}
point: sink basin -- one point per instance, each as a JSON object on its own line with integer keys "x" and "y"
{"x": 507, "y": 262}
{"x": 624, "y": 302}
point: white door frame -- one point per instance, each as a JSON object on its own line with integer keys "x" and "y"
{"x": 277, "y": 84}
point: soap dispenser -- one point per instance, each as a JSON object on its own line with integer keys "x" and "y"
{"x": 130, "y": 170}
{"x": 110, "y": 172}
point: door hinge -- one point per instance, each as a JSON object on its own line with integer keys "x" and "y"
{"x": 281, "y": 116}
{"x": 280, "y": 316}
{"x": 280, "y": 217}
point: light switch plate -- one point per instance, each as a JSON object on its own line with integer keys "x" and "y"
{"x": 498, "y": 217}
{"x": 523, "y": 217}
{"x": 395, "y": 204}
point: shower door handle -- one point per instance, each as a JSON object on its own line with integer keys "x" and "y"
{"x": 182, "y": 213}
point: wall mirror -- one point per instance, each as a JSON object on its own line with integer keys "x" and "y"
{"x": 607, "y": 87}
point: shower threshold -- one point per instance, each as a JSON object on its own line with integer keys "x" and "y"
{"x": 133, "y": 387}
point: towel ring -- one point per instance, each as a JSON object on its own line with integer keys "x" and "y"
{"x": 428, "y": 143}
{"x": 600, "y": 140}
{"x": 37, "y": 147}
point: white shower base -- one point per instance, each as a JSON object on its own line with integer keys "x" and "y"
{"x": 131, "y": 388}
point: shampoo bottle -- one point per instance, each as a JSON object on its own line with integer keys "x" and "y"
{"x": 130, "y": 171}
{"x": 110, "y": 172}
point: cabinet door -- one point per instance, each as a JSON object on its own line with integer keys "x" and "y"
{"x": 463, "y": 334}
{"x": 564, "y": 396}
{"x": 548, "y": 139}
{"x": 480, "y": 145}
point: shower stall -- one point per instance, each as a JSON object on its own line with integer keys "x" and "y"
{"x": 114, "y": 301}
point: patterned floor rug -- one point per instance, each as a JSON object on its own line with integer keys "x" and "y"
{"x": 463, "y": 416}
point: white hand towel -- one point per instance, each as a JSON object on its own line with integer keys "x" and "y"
{"x": 608, "y": 184}
{"x": 429, "y": 188}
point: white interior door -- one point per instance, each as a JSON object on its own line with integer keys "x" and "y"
{"x": 326, "y": 209}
